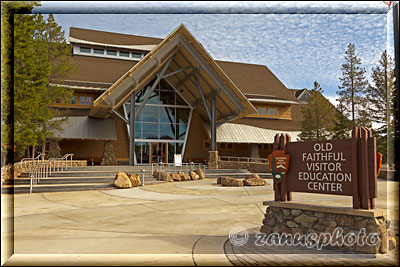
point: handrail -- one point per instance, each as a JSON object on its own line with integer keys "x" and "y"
{"x": 171, "y": 167}
{"x": 44, "y": 169}
{"x": 244, "y": 159}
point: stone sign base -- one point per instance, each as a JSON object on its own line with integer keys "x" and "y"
{"x": 346, "y": 229}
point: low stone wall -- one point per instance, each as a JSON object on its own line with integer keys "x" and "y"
{"x": 251, "y": 166}
{"x": 360, "y": 226}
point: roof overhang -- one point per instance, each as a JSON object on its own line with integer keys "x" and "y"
{"x": 191, "y": 71}
{"x": 240, "y": 133}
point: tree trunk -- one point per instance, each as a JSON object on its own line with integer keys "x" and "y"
{"x": 33, "y": 151}
{"x": 44, "y": 149}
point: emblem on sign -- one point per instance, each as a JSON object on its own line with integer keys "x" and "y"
{"x": 278, "y": 163}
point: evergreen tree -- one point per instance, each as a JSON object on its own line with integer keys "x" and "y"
{"x": 353, "y": 84}
{"x": 317, "y": 116}
{"x": 41, "y": 54}
{"x": 379, "y": 105}
{"x": 8, "y": 9}
{"x": 340, "y": 129}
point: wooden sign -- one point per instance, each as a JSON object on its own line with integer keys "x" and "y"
{"x": 341, "y": 167}
{"x": 279, "y": 164}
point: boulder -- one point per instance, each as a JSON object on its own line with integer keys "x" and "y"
{"x": 221, "y": 178}
{"x": 227, "y": 181}
{"x": 184, "y": 177}
{"x": 135, "y": 179}
{"x": 194, "y": 176}
{"x": 176, "y": 177}
{"x": 254, "y": 182}
{"x": 253, "y": 175}
{"x": 200, "y": 173}
{"x": 156, "y": 173}
{"x": 164, "y": 176}
{"x": 122, "y": 180}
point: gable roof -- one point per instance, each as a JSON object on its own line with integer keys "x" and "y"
{"x": 179, "y": 50}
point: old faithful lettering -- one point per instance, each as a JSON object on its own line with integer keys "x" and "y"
{"x": 324, "y": 176}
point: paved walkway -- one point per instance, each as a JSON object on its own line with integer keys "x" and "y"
{"x": 184, "y": 223}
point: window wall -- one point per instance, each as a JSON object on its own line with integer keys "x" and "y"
{"x": 164, "y": 118}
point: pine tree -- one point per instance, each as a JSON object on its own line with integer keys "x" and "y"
{"x": 378, "y": 97}
{"x": 340, "y": 129}
{"x": 8, "y": 9}
{"x": 41, "y": 54}
{"x": 317, "y": 116}
{"x": 353, "y": 84}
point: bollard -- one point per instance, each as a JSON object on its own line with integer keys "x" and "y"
{"x": 143, "y": 171}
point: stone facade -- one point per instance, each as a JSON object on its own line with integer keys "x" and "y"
{"x": 213, "y": 160}
{"x": 54, "y": 150}
{"x": 305, "y": 222}
{"x": 108, "y": 157}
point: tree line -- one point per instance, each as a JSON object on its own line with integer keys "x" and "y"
{"x": 360, "y": 103}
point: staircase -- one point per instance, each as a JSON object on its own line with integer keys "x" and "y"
{"x": 96, "y": 178}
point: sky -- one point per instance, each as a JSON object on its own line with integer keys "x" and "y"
{"x": 300, "y": 42}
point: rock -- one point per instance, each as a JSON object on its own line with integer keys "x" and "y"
{"x": 296, "y": 212}
{"x": 361, "y": 224}
{"x": 344, "y": 220}
{"x": 253, "y": 175}
{"x": 135, "y": 179}
{"x": 164, "y": 176}
{"x": 306, "y": 220}
{"x": 265, "y": 229}
{"x": 156, "y": 173}
{"x": 176, "y": 177}
{"x": 319, "y": 214}
{"x": 200, "y": 173}
{"x": 194, "y": 176}
{"x": 286, "y": 212}
{"x": 227, "y": 181}
{"x": 330, "y": 224}
{"x": 122, "y": 180}
{"x": 254, "y": 182}
{"x": 270, "y": 222}
{"x": 292, "y": 224}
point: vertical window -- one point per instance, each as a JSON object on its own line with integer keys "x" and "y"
{"x": 89, "y": 100}
{"x": 73, "y": 100}
{"x": 262, "y": 111}
{"x": 85, "y": 49}
{"x": 82, "y": 100}
{"x": 272, "y": 111}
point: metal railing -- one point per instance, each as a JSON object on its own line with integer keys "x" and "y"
{"x": 45, "y": 168}
{"x": 243, "y": 159}
{"x": 172, "y": 168}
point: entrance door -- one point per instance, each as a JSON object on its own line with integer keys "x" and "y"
{"x": 154, "y": 151}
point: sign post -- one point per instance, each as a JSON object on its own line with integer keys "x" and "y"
{"x": 341, "y": 167}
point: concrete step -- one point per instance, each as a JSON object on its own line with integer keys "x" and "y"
{"x": 52, "y": 188}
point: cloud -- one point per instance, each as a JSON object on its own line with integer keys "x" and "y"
{"x": 298, "y": 48}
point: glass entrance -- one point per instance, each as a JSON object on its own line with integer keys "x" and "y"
{"x": 158, "y": 149}
{"x": 162, "y": 125}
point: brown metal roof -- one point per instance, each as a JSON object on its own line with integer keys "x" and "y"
{"x": 112, "y": 38}
{"x": 256, "y": 79}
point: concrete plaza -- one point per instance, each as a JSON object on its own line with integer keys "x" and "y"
{"x": 182, "y": 223}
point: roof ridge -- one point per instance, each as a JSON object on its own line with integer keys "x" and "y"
{"x": 126, "y": 34}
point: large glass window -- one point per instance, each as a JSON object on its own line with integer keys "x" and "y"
{"x": 163, "y": 120}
